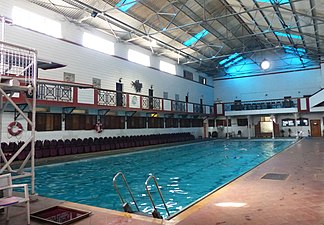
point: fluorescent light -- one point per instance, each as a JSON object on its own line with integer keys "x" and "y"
{"x": 228, "y": 58}
{"x": 288, "y": 35}
{"x": 125, "y": 5}
{"x": 195, "y": 38}
{"x": 234, "y": 61}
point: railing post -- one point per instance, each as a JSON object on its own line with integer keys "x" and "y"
{"x": 75, "y": 95}
{"x": 127, "y": 100}
{"x": 95, "y": 97}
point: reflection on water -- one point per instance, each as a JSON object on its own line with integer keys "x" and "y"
{"x": 185, "y": 173}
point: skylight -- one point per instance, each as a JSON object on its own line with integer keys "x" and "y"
{"x": 288, "y": 35}
{"x": 125, "y": 5}
{"x": 36, "y": 22}
{"x": 229, "y": 58}
{"x": 138, "y": 57}
{"x": 280, "y": 2}
{"x": 234, "y": 61}
{"x": 98, "y": 43}
{"x": 167, "y": 67}
{"x": 195, "y": 38}
{"x": 293, "y": 50}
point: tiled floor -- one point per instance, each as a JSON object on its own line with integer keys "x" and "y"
{"x": 299, "y": 199}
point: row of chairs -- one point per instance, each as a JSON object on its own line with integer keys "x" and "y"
{"x": 52, "y": 148}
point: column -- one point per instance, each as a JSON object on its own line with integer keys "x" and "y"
{"x": 249, "y": 126}
{"x": 296, "y": 126}
{"x": 273, "y": 120}
{"x": 227, "y": 134}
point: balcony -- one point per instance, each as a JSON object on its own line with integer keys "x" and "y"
{"x": 273, "y": 106}
{"x": 60, "y": 94}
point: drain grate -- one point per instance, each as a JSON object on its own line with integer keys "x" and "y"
{"x": 275, "y": 176}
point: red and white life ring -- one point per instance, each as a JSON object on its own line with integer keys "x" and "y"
{"x": 99, "y": 127}
{"x": 15, "y": 128}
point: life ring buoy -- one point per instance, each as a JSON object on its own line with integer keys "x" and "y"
{"x": 15, "y": 128}
{"x": 99, "y": 127}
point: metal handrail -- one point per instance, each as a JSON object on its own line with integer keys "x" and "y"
{"x": 155, "y": 213}
{"x": 125, "y": 204}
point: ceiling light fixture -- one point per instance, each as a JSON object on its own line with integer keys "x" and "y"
{"x": 265, "y": 64}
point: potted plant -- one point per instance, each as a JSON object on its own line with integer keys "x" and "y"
{"x": 289, "y": 132}
{"x": 282, "y": 131}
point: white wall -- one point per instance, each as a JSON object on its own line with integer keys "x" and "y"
{"x": 322, "y": 75}
{"x": 275, "y": 86}
{"x": 86, "y": 63}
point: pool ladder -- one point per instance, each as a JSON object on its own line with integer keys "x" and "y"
{"x": 127, "y": 207}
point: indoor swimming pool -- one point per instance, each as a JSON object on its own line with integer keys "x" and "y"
{"x": 185, "y": 173}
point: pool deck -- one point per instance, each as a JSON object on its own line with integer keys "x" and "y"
{"x": 298, "y": 199}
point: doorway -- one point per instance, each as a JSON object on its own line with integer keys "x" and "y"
{"x": 119, "y": 94}
{"x": 150, "y": 98}
{"x": 315, "y": 126}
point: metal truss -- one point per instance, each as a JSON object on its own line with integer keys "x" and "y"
{"x": 18, "y": 74}
{"x": 234, "y": 26}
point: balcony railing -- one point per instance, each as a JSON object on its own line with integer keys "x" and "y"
{"x": 75, "y": 94}
{"x": 111, "y": 98}
{"x": 259, "y": 105}
{"x": 54, "y": 92}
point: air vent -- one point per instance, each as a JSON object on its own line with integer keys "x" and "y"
{"x": 275, "y": 176}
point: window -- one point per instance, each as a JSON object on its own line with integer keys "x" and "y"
{"x": 265, "y": 119}
{"x": 188, "y": 75}
{"x": 223, "y": 123}
{"x": 171, "y": 123}
{"x": 98, "y": 44}
{"x": 167, "y": 67}
{"x": 154, "y": 122}
{"x": 185, "y": 123}
{"x": 125, "y": 5}
{"x": 36, "y": 22}
{"x": 136, "y": 122}
{"x": 202, "y": 80}
{"x": 47, "y": 122}
{"x": 113, "y": 122}
{"x": 138, "y": 57}
{"x": 302, "y": 122}
{"x": 165, "y": 95}
{"x": 242, "y": 122}
{"x": 195, "y": 38}
{"x": 80, "y": 122}
{"x": 197, "y": 123}
{"x": 211, "y": 123}
{"x": 288, "y": 122}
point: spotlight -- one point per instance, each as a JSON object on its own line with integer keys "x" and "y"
{"x": 265, "y": 64}
{"x": 94, "y": 14}
{"x": 120, "y": 79}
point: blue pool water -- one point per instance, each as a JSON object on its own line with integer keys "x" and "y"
{"x": 185, "y": 173}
